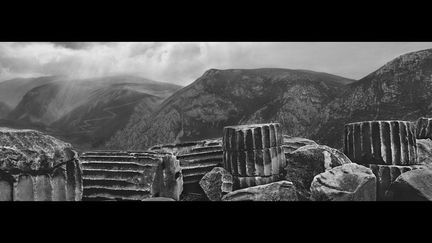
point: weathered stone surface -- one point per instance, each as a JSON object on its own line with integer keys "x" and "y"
{"x": 240, "y": 182}
{"x": 263, "y": 162}
{"x": 121, "y": 175}
{"x": 386, "y": 174}
{"x": 159, "y": 199}
{"x": 30, "y": 150}
{"x": 196, "y": 159}
{"x": 189, "y": 197}
{"x": 348, "y": 182}
{"x": 217, "y": 183}
{"x": 189, "y": 147}
{"x": 38, "y": 167}
{"x": 308, "y": 161}
{"x": 381, "y": 142}
{"x": 290, "y": 144}
{"x": 415, "y": 185}
{"x": 252, "y": 137}
{"x": 424, "y": 128}
{"x": 424, "y": 151}
{"x": 277, "y": 191}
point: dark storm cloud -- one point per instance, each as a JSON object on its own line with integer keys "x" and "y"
{"x": 181, "y": 63}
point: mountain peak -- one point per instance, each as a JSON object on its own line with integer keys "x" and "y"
{"x": 406, "y": 61}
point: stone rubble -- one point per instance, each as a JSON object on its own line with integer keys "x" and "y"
{"x": 217, "y": 183}
{"x": 38, "y": 167}
{"x": 382, "y": 160}
{"x": 308, "y": 161}
{"x": 348, "y": 182}
{"x": 276, "y": 191}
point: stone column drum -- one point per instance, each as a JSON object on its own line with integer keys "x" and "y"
{"x": 424, "y": 128}
{"x": 253, "y": 154}
{"x": 38, "y": 167}
{"x": 389, "y": 148}
{"x": 381, "y": 142}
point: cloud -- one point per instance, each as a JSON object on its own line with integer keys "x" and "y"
{"x": 182, "y": 63}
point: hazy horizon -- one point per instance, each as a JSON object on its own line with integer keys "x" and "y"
{"x": 183, "y": 62}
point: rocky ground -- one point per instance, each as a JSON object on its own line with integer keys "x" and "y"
{"x": 35, "y": 166}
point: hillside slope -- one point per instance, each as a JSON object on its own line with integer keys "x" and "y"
{"x": 226, "y": 97}
{"x": 401, "y": 89}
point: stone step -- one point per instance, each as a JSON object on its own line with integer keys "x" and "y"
{"x": 203, "y": 169}
{"x": 116, "y": 194}
{"x": 207, "y": 149}
{"x": 111, "y": 174}
{"x": 111, "y": 184}
{"x": 114, "y": 165}
{"x": 141, "y": 159}
{"x": 200, "y": 156}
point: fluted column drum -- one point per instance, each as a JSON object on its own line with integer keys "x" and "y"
{"x": 381, "y": 142}
{"x": 253, "y": 154}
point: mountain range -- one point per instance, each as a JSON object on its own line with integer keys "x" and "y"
{"x": 83, "y": 111}
{"x": 127, "y": 112}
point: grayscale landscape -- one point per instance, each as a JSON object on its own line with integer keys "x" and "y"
{"x": 197, "y": 121}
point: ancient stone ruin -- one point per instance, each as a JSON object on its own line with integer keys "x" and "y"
{"x": 389, "y": 148}
{"x": 123, "y": 175}
{"x": 253, "y": 154}
{"x": 37, "y": 167}
{"x": 196, "y": 159}
{"x": 424, "y": 128}
{"x": 249, "y": 163}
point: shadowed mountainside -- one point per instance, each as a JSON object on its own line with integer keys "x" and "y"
{"x": 401, "y": 89}
{"x": 295, "y": 98}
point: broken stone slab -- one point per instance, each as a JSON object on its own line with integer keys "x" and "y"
{"x": 386, "y": 175}
{"x": 424, "y": 151}
{"x": 260, "y": 162}
{"x": 306, "y": 162}
{"x": 158, "y": 199}
{"x": 152, "y": 175}
{"x": 240, "y": 182}
{"x": 290, "y": 144}
{"x": 38, "y": 167}
{"x": 424, "y": 128}
{"x": 277, "y": 191}
{"x": 217, "y": 183}
{"x": 414, "y": 185}
{"x": 189, "y": 147}
{"x": 381, "y": 142}
{"x": 348, "y": 182}
{"x": 196, "y": 164}
{"x": 252, "y": 137}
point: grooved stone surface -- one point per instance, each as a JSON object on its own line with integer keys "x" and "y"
{"x": 252, "y": 137}
{"x": 264, "y": 162}
{"x": 414, "y": 185}
{"x": 120, "y": 175}
{"x": 381, "y": 142}
{"x": 244, "y": 182}
{"x": 387, "y": 174}
{"x": 424, "y": 128}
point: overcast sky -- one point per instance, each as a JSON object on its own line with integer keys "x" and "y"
{"x": 181, "y": 63}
